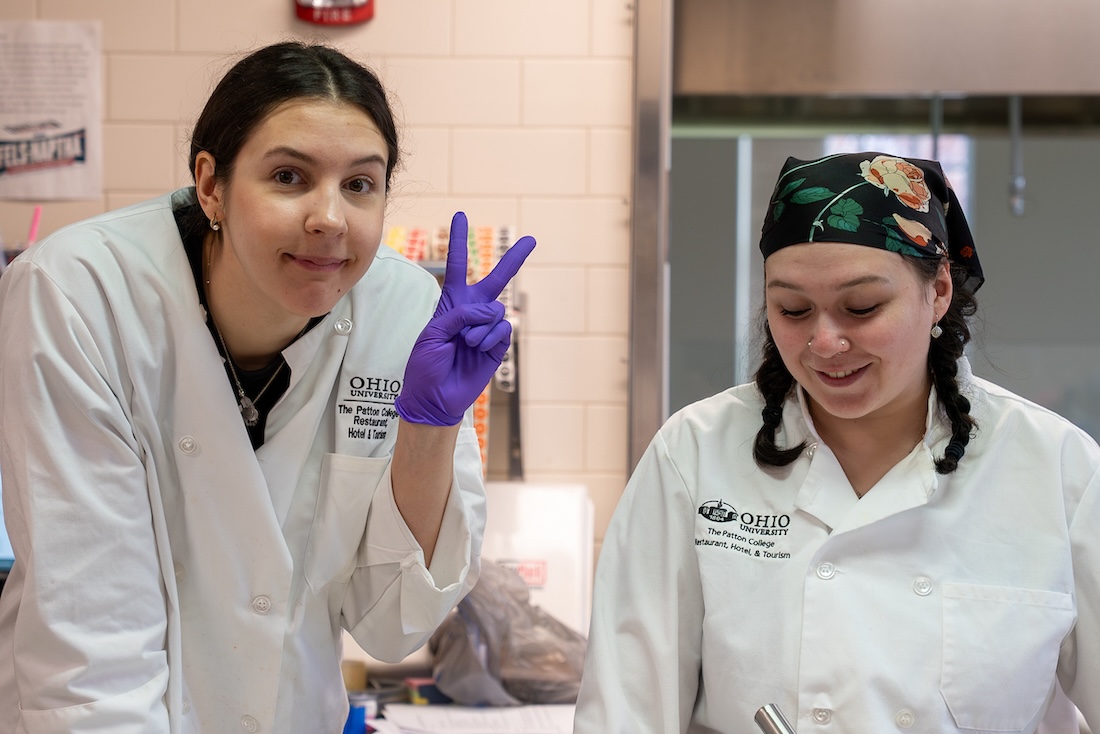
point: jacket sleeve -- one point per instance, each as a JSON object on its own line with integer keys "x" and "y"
{"x": 641, "y": 673}
{"x": 1079, "y": 668}
{"x": 85, "y": 607}
{"x": 394, "y": 601}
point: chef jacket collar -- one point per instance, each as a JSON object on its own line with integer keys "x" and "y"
{"x": 825, "y": 491}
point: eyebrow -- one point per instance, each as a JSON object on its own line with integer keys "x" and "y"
{"x": 862, "y": 280}
{"x": 307, "y": 158}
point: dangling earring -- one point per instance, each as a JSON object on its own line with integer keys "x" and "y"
{"x": 214, "y": 225}
{"x": 936, "y": 331}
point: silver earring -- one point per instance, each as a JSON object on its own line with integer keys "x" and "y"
{"x": 214, "y": 225}
{"x": 810, "y": 343}
{"x": 936, "y": 331}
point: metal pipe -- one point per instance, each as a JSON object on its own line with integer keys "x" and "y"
{"x": 1017, "y": 183}
{"x": 936, "y": 114}
{"x": 742, "y": 286}
{"x": 648, "y": 368}
{"x": 771, "y": 720}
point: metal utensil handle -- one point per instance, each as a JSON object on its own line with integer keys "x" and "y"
{"x": 771, "y": 720}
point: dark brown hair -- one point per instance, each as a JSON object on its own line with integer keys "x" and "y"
{"x": 267, "y": 78}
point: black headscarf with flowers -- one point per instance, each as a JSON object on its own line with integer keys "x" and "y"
{"x": 873, "y": 199}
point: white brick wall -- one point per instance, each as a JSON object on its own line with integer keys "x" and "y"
{"x": 515, "y": 111}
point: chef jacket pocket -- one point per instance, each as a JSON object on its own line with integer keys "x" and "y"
{"x": 347, "y": 487}
{"x": 1000, "y": 650}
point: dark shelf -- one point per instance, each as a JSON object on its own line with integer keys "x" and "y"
{"x": 1047, "y": 113}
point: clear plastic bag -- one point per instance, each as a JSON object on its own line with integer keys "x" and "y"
{"x": 497, "y": 649}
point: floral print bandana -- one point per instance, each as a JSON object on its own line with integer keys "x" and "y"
{"x": 873, "y": 199}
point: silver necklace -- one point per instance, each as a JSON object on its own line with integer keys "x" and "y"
{"x": 248, "y": 407}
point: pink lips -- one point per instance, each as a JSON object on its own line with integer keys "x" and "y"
{"x": 319, "y": 264}
{"x": 846, "y": 377}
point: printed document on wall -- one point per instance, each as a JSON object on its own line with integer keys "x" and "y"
{"x": 51, "y": 99}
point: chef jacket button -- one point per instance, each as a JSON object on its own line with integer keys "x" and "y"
{"x": 343, "y": 327}
{"x": 178, "y": 568}
{"x": 822, "y": 716}
{"x": 810, "y": 450}
{"x": 187, "y": 705}
{"x": 188, "y": 445}
{"x": 922, "y": 586}
{"x": 261, "y": 604}
{"x": 249, "y": 723}
{"x": 905, "y": 718}
{"x": 826, "y": 571}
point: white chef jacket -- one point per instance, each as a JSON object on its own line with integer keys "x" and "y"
{"x": 168, "y": 577}
{"x": 936, "y": 603}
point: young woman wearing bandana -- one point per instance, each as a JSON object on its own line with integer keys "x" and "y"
{"x": 868, "y": 535}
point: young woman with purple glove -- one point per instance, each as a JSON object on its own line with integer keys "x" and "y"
{"x": 232, "y": 424}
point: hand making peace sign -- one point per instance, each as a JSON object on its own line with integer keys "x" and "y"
{"x": 462, "y": 345}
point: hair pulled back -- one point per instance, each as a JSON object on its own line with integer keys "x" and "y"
{"x": 776, "y": 383}
{"x": 271, "y": 76}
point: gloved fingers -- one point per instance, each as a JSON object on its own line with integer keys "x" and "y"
{"x": 473, "y": 335}
{"x": 486, "y": 336}
{"x": 496, "y": 353}
{"x": 450, "y": 323}
{"x": 492, "y": 284}
{"x": 457, "y": 253}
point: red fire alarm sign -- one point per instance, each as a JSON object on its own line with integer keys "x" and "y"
{"x": 335, "y": 12}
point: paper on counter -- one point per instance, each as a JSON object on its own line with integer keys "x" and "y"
{"x": 449, "y": 719}
{"x": 381, "y": 726}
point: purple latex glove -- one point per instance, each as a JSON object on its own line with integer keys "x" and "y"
{"x": 457, "y": 353}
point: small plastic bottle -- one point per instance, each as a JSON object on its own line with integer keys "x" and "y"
{"x": 362, "y": 707}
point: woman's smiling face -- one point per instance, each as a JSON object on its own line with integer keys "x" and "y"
{"x": 303, "y": 211}
{"x": 851, "y": 324}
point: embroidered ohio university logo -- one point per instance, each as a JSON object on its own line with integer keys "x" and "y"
{"x": 761, "y": 524}
{"x": 366, "y": 407}
{"x": 717, "y": 511}
{"x": 374, "y": 388}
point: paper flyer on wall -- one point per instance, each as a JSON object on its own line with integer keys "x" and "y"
{"x": 51, "y": 99}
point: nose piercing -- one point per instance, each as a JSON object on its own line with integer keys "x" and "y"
{"x": 843, "y": 346}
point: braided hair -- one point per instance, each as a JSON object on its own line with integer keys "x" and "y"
{"x": 775, "y": 382}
